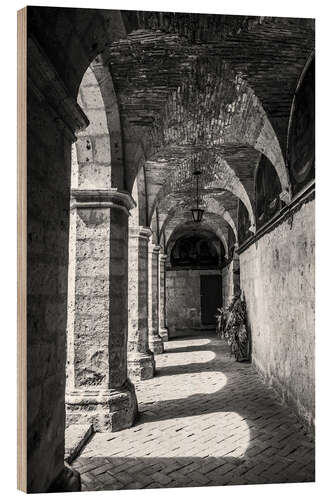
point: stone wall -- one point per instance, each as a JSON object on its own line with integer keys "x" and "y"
{"x": 183, "y": 306}
{"x": 48, "y": 226}
{"x": 227, "y": 284}
{"x": 277, "y": 278}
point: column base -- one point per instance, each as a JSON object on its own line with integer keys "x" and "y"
{"x": 106, "y": 410}
{"x": 140, "y": 366}
{"x": 164, "y": 334}
{"x": 155, "y": 343}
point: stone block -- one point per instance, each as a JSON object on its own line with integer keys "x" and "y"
{"x": 76, "y": 436}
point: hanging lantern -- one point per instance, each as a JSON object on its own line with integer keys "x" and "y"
{"x": 197, "y": 212}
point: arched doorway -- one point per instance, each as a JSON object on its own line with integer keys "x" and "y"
{"x": 193, "y": 282}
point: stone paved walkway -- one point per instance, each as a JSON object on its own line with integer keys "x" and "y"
{"x": 204, "y": 420}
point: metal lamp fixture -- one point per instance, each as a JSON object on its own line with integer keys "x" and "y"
{"x": 197, "y": 212}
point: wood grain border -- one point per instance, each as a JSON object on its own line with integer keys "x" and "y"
{"x": 22, "y": 249}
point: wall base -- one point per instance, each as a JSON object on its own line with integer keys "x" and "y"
{"x": 286, "y": 398}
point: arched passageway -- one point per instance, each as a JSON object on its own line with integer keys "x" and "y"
{"x": 147, "y": 99}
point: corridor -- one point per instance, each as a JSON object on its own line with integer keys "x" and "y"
{"x": 204, "y": 420}
{"x": 170, "y": 172}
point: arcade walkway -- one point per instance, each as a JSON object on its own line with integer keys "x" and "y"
{"x": 204, "y": 420}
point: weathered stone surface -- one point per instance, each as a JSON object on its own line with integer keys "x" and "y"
{"x": 76, "y": 436}
{"x": 179, "y": 85}
{"x": 163, "y": 330}
{"x": 47, "y": 261}
{"x": 155, "y": 341}
{"x": 277, "y": 278}
{"x": 98, "y": 391}
{"x": 183, "y": 300}
{"x": 141, "y": 364}
{"x": 107, "y": 410}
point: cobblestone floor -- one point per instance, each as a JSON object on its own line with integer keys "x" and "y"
{"x": 204, "y": 420}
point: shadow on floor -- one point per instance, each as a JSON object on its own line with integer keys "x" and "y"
{"x": 113, "y": 473}
{"x": 279, "y": 449}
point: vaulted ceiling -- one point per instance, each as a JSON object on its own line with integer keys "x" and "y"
{"x": 200, "y": 91}
{"x": 209, "y": 92}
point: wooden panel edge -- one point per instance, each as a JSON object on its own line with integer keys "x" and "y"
{"x": 22, "y": 249}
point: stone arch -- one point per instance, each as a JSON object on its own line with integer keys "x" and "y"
{"x": 243, "y": 223}
{"x": 301, "y": 129}
{"x": 99, "y": 219}
{"x": 216, "y": 173}
{"x": 184, "y": 228}
{"x": 99, "y": 148}
{"x": 79, "y": 34}
{"x": 139, "y": 194}
{"x": 71, "y": 39}
{"x": 267, "y": 191}
{"x": 175, "y": 207}
{"x": 155, "y": 228}
{"x": 104, "y": 78}
{"x": 191, "y": 118}
{"x": 93, "y": 150}
{"x": 195, "y": 241}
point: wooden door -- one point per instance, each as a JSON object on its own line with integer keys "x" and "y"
{"x": 211, "y": 297}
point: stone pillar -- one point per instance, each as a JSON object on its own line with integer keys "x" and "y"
{"x": 155, "y": 341}
{"x": 236, "y": 273}
{"x": 141, "y": 363}
{"x": 98, "y": 390}
{"x": 163, "y": 330}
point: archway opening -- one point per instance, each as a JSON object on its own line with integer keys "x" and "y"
{"x": 193, "y": 282}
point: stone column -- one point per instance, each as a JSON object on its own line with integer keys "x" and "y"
{"x": 155, "y": 341}
{"x": 163, "y": 330}
{"x": 235, "y": 272}
{"x": 98, "y": 390}
{"x": 141, "y": 363}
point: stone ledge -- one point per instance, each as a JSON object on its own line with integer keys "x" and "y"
{"x": 102, "y": 198}
{"x": 76, "y": 436}
{"x": 139, "y": 232}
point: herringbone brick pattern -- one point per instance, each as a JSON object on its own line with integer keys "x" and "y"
{"x": 204, "y": 420}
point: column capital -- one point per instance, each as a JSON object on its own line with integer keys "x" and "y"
{"x": 102, "y": 198}
{"x": 163, "y": 257}
{"x": 154, "y": 248}
{"x": 139, "y": 232}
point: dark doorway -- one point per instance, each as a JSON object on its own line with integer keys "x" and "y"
{"x": 211, "y": 297}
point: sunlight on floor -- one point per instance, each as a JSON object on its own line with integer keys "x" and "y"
{"x": 188, "y": 342}
{"x": 177, "y": 359}
{"x": 183, "y": 386}
{"x": 148, "y": 440}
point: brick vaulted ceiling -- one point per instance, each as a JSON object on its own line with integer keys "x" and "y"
{"x": 192, "y": 90}
{"x": 209, "y": 91}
